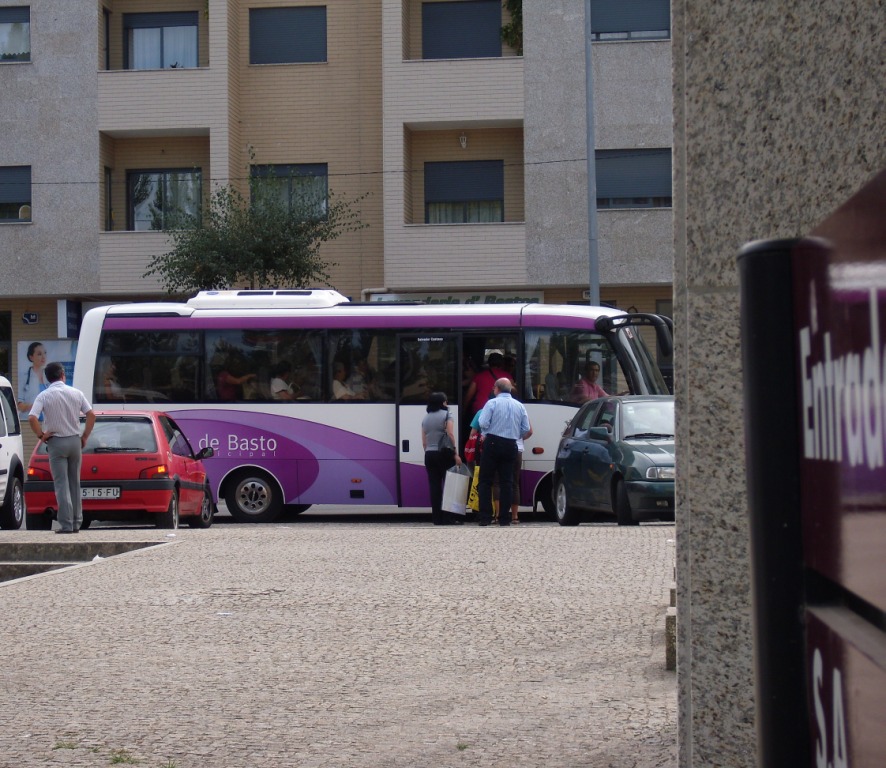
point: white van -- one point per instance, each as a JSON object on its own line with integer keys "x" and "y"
{"x": 12, "y": 466}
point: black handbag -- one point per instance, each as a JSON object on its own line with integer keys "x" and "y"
{"x": 446, "y": 445}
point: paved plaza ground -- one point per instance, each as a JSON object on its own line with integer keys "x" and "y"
{"x": 339, "y": 641}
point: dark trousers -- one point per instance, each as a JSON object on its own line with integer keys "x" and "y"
{"x": 436, "y": 463}
{"x": 498, "y": 458}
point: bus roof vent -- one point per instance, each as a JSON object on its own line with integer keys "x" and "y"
{"x": 308, "y": 298}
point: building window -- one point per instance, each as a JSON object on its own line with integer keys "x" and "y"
{"x": 162, "y": 200}
{"x": 160, "y": 40}
{"x": 634, "y": 178}
{"x": 461, "y": 30}
{"x": 15, "y": 193}
{"x": 15, "y": 33}
{"x": 287, "y": 35}
{"x": 630, "y": 19}
{"x": 470, "y": 192}
{"x": 303, "y": 188}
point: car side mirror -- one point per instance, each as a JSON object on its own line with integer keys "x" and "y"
{"x": 599, "y": 433}
{"x": 206, "y": 453}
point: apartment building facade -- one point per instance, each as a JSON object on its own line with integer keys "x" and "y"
{"x": 468, "y": 159}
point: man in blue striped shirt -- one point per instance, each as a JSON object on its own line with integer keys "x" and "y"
{"x": 61, "y": 407}
{"x": 502, "y": 421}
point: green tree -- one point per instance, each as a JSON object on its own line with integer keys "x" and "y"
{"x": 271, "y": 240}
{"x": 512, "y": 32}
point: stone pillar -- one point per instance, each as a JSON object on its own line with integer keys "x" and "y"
{"x": 779, "y": 118}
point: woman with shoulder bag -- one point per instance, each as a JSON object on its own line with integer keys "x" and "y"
{"x": 436, "y": 424}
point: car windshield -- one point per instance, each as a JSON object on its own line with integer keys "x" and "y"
{"x": 121, "y": 435}
{"x": 648, "y": 419}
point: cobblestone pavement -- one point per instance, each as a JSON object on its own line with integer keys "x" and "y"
{"x": 318, "y": 644}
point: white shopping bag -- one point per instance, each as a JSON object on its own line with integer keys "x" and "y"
{"x": 455, "y": 489}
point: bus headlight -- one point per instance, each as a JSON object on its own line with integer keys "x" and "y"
{"x": 661, "y": 473}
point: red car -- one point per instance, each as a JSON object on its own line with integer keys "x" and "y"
{"x": 136, "y": 464}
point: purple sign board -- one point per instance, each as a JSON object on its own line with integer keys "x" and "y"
{"x": 841, "y": 328}
{"x": 839, "y": 280}
{"x": 814, "y": 354}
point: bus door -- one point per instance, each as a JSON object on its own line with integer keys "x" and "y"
{"x": 426, "y": 362}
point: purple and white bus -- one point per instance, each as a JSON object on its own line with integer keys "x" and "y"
{"x": 356, "y": 380}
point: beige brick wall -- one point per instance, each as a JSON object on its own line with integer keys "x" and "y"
{"x": 124, "y": 258}
{"x": 332, "y": 114}
{"x": 405, "y": 13}
{"x": 227, "y": 49}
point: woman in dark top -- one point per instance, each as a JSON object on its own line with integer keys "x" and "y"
{"x": 437, "y": 421}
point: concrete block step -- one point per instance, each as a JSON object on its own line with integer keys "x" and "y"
{"x": 18, "y": 570}
{"x": 66, "y": 549}
{"x": 671, "y": 639}
{"x": 20, "y": 558}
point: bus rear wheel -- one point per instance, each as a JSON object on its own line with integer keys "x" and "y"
{"x": 253, "y": 497}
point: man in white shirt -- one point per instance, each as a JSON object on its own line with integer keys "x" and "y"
{"x": 61, "y": 407}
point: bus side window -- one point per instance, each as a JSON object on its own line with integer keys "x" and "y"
{"x": 362, "y": 365}
{"x": 302, "y": 351}
{"x": 547, "y": 357}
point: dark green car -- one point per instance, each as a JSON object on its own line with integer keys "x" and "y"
{"x": 617, "y": 457}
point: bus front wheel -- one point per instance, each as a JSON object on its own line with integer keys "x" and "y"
{"x": 253, "y": 497}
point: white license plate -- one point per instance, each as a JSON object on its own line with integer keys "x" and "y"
{"x": 100, "y": 493}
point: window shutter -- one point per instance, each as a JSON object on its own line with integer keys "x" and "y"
{"x": 15, "y": 184}
{"x": 471, "y": 180}
{"x": 633, "y": 173}
{"x": 463, "y": 30}
{"x": 630, "y": 15}
{"x": 287, "y": 35}
{"x": 17, "y": 14}
{"x": 155, "y": 20}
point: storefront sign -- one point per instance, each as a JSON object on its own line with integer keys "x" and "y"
{"x": 478, "y": 297}
{"x": 70, "y": 316}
